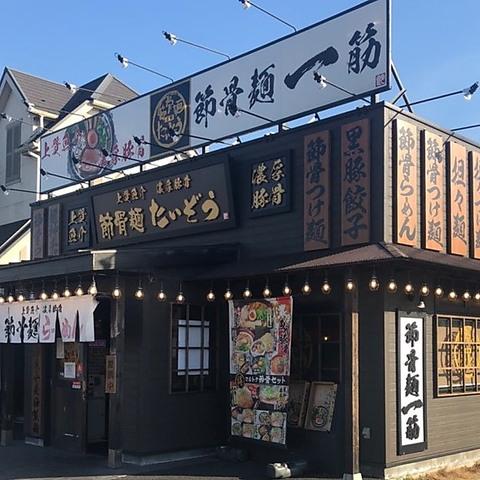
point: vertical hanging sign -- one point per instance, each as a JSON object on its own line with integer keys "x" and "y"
{"x": 407, "y": 184}
{"x": 475, "y": 203}
{"x": 316, "y": 194}
{"x": 434, "y": 192}
{"x": 355, "y": 160}
{"x": 411, "y": 414}
{"x": 457, "y": 199}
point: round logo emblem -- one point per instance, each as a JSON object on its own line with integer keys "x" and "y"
{"x": 169, "y": 119}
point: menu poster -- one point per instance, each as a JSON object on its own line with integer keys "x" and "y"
{"x": 260, "y": 341}
{"x": 321, "y": 406}
{"x": 297, "y": 403}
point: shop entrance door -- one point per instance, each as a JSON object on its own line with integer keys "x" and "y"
{"x": 69, "y": 397}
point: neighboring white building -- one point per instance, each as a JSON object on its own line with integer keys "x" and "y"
{"x": 29, "y": 106}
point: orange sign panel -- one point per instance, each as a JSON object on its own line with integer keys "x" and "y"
{"x": 475, "y": 203}
{"x": 355, "y": 165}
{"x": 316, "y": 191}
{"x": 407, "y": 194}
{"x": 434, "y": 192}
{"x": 458, "y": 199}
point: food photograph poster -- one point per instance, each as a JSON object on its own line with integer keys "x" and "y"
{"x": 260, "y": 341}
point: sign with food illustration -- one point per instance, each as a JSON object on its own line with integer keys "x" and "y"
{"x": 260, "y": 368}
{"x": 297, "y": 403}
{"x": 321, "y": 406}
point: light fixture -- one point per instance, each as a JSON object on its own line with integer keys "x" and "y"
{"x": 180, "y": 298}
{"x": 125, "y": 62}
{"x": 326, "y": 287}
{"x": 177, "y": 135}
{"x": 6, "y": 117}
{"x": 79, "y": 290}
{"x": 43, "y": 294}
{"x": 2, "y": 297}
{"x": 173, "y": 39}
{"x": 477, "y": 295}
{"x": 116, "y": 292}
{"x": 211, "y": 294}
{"x": 161, "y": 295}
{"x": 267, "y": 293}
{"x": 306, "y": 288}
{"x": 247, "y": 293}
{"x": 452, "y": 295}
{"x": 424, "y": 290}
{"x": 10, "y": 298}
{"x": 55, "y": 294}
{"x": 373, "y": 284}
{"x": 409, "y": 288}
{"x": 392, "y": 286}
{"x": 248, "y": 3}
{"x": 468, "y": 92}
{"x": 323, "y": 82}
{"x": 287, "y": 290}
{"x": 139, "y": 293}
{"x": 6, "y": 191}
{"x": 21, "y": 296}
{"x": 92, "y": 289}
{"x": 320, "y": 79}
{"x": 350, "y": 285}
{"x": 466, "y": 296}
{"x": 438, "y": 292}
{"x": 66, "y": 292}
{"x": 228, "y": 295}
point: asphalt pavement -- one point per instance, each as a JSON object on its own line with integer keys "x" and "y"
{"x": 24, "y": 461}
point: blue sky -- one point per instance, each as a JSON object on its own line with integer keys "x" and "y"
{"x": 434, "y": 45}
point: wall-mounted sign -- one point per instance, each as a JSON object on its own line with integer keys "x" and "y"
{"x": 407, "y": 192}
{"x": 433, "y": 192}
{"x": 270, "y": 186}
{"x": 111, "y": 374}
{"x": 355, "y": 178}
{"x": 475, "y": 203}
{"x": 53, "y": 230}
{"x": 316, "y": 193}
{"x": 321, "y": 406}
{"x": 457, "y": 199}
{"x": 411, "y": 385}
{"x": 279, "y": 81}
{"x": 183, "y": 202}
{"x": 78, "y": 227}
{"x": 38, "y": 233}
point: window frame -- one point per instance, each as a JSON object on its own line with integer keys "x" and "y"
{"x": 13, "y": 160}
{"x": 447, "y": 349}
{"x": 203, "y": 378}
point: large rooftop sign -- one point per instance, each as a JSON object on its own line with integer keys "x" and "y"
{"x": 348, "y": 54}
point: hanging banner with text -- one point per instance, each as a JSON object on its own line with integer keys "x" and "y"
{"x": 260, "y": 341}
{"x": 36, "y": 321}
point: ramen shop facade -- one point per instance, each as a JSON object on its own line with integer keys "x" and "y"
{"x": 310, "y": 294}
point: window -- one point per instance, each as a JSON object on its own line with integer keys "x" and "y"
{"x": 316, "y": 348}
{"x": 13, "y": 159}
{"x": 192, "y": 348}
{"x": 458, "y": 355}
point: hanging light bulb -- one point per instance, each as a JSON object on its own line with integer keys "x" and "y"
{"x": 228, "y": 295}
{"x": 180, "y": 298}
{"x": 392, "y": 286}
{"x": 409, "y": 288}
{"x": 92, "y": 289}
{"x": 438, "y": 291}
{"x": 211, "y": 294}
{"x": 287, "y": 291}
{"x": 466, "y": 296}
{"x": 477, "y": 295}
{"x": 116, "y": 292}
{"x": 267, "y": 293}
{"x": 66, "y": 292}
{"x": 161, "y": 295}
{"x": 10, "y": 298}
{"x": 306, "y": 288}
{"x": 247, "y": 293}
{"x": 139, "y": 293}
{"x": 21, "y": 296}
{"x": 350, "y": 285}
{"x": 373, "y": 284}
{"x": 43, "y": 294}
{"x": 55, "y": 295}
{"x": 2, "y": 293}
{"x": 326, "y": 287}
{"x": 424, "y": 290}
{"x": 79, "y": 290}
{"x": 452, "y": 295}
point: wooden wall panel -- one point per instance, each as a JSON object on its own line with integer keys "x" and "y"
{"x": 457, "y": 199}
{"x": 475, "y": 204}
{"x": 355, "y": 182}
{"x": 407, "y": 191}
{"x": 434, "y": 192}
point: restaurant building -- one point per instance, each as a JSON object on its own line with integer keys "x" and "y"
{"x": 311, "y": 294}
